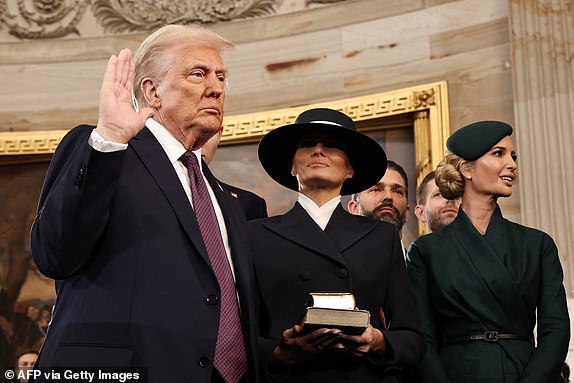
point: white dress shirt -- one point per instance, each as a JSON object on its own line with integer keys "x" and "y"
{"x": 174, "y": 150}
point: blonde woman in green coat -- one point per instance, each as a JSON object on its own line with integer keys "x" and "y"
{"x": 483, "y": 283}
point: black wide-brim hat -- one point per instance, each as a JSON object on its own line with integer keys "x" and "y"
{"x": 366, "y": 156}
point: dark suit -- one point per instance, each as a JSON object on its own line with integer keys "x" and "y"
{"x": 253, "y": 205}
{"x": 293, "y": 257}
{"x": 466, "y": 283}
{"x": 134, "y": 282}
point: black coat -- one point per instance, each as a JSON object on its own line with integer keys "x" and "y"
{"x": 253, "y": 205}
{"x": 134, "y": 283}
{"x": 293, "y": 257}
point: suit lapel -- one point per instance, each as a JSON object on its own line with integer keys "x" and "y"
{"x": 345, "y": 230}
{"x": 298, "y": 227}
{"x": 490, "y": 269}
{"x": 156, "y": 161}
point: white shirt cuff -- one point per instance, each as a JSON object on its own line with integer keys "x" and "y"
{"x": 100, "y": 144}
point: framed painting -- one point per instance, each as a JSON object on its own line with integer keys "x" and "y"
{"x": 411, "y": 124}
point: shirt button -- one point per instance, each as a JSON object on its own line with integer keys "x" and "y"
{"x": 212, "y": 299}
{"x": 203, "y": 361}
{"x": 343, "y": 273}
{"x": 305, "y": 275}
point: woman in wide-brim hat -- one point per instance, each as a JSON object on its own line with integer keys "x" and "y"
{"x": 319, "y": 247}
{"x": 483, "y": 283}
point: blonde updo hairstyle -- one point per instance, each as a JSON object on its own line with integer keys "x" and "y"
{"x": 448, "y": 177}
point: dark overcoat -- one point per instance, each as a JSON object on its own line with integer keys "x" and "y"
{"x": 254, "y": 206}
{"x": 294, "y": 257}
{"x": 466, "y": 283}
{"x": 134, "y": 283}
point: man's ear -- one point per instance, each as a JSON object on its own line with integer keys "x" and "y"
{"x": 420, "y": 212}
{"x": 353, "y": 207}
{"x": 150, "y": 92}
{"x": 407, "y": 214}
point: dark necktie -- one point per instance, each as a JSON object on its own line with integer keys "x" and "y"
{"x": 230, "y": 356}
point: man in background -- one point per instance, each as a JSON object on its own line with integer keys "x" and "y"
{"x": 253, "y": 205}
{"x": 432, "y": 209}
{"x": 387, "y": 200}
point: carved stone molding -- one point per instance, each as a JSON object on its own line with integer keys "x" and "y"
{"x": 42, "y": 19}
{"x": 144, "y": 15}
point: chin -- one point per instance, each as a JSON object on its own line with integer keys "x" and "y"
{"x": 504, "y": 194}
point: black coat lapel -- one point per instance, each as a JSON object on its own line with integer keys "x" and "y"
{"x": 345, "y": 229}
{"x": 498, "y": 283}
{"x": 298, "y": 227}
{"x": 158, "y": 164}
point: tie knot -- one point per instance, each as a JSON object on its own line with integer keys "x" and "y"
{"x": 189, "y": 159}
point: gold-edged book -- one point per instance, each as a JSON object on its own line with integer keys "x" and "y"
{"x": 334, "y": 310}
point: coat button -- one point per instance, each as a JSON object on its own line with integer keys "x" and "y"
{"x": 203, "y": 361}
{"x": 212, "y": 299}
{"x": 343, "y": 273}
{"x": 80, "y": 177}
{"x": 305, "y": 275}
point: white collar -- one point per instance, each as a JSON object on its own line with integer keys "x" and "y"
{"x": 320, "y": 214}
{"x": 171, "y": 145}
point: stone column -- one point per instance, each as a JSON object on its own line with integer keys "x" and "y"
{"x": 542, "y": 38}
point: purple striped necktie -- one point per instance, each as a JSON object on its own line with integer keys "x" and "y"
{"x": 230, "y": 356}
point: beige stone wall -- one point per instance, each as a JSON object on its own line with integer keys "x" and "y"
{"x": 301, "y": 54}
{"x": 344, "y": 49}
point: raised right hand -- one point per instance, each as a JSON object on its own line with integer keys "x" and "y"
{"x": 117, "y": 119}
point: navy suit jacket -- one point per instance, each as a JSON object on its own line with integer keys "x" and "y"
{"x": 134, "y": 283}
{"x": 254, "y": 206}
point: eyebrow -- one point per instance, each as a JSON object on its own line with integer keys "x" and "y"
{"x": 389, "y": 184}
{"x": 203, "y": 65}
{"x": 500, "y": 147}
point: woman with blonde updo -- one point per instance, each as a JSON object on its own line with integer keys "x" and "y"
{"x": 483, "y": 283}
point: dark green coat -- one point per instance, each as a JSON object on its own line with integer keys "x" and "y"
{"x": 465, "y": 283}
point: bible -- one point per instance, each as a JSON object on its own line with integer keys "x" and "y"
{"x": 334, "y": 310}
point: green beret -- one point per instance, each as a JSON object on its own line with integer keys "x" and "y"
{"x": 474, "y": 140}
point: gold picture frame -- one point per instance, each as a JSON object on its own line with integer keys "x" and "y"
{"x": 425, "y": 107}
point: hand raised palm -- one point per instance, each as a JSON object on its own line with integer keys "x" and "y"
{"x": 118, "y": 121}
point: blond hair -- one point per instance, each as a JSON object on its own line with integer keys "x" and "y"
{"x": 448, "y": 177}
{"x": 148, "y": 56}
